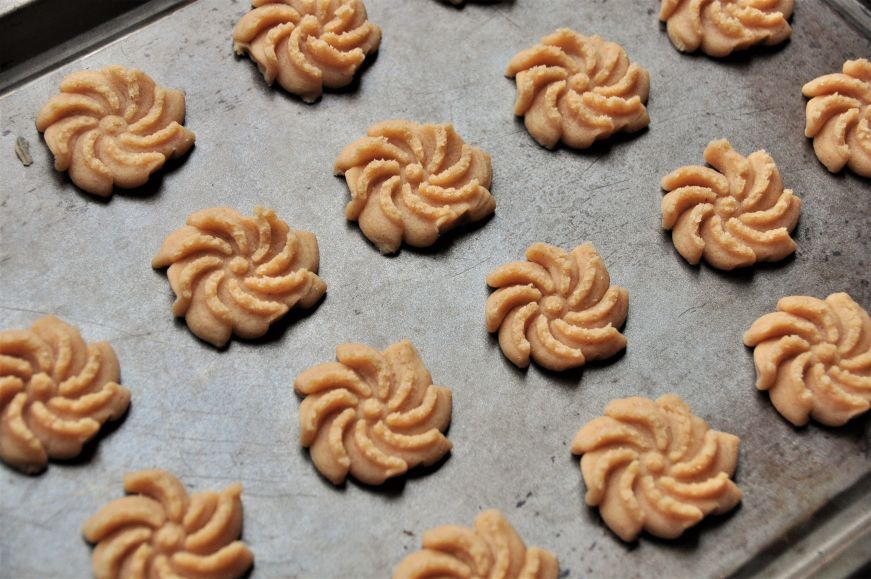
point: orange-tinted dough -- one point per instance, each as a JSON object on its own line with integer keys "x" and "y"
{"x": 236, "y": 274}
{"x": 723, "y": 26}
{"x": 412, "y": 182}
{"x": 814, "y": 358}
{"x": 578, "y": 89}
{"x": 113, "y": 127}
{"x": 839, "y": 117}
{"x": 307, "y": 45}
{"x": 56, "y": 392}
{"x": 558, "y": 307}
{"x": 373, "y": 414}
{"x": 160, "y": 531}
{"x": 654, "y": 466}
{"x": 733, "y": 215}
{"x": 492, "y": 550}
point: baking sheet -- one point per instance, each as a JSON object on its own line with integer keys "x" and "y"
{"x": 214, "y": 417}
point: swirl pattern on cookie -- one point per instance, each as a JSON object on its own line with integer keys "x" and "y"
{"x": 654, "y": 466}
{"x": 577, "y": 89}
{"x": 733, "y": 215}
{"x": 56, "y": 392}
{"x": 492, "y": 549}
{"x": 372, "y": 414}
{"x": 557, "y": 307}
{"x": 839, "y": 117}
{"x": 237, "y": 275}
{"x": 814, "y": 358}
{"x": 307, "y": 45}
{"x": 113, "y": 127}
{"x": 720, "y": 27}
{"x": 412, "y": 182}
{"x": 160, "y": 531}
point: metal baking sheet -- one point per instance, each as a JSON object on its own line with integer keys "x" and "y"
{"x": 214, "y": 417}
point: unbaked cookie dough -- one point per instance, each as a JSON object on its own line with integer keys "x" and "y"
{"x": 839, "y": 117}
{"x": 814, "y": 358}
{"x": 491, "y": 549}
{"x": 306, "y": 45}
{"x": 113, "y": 127}
{"x": 160, "y": 531}
{"x": 578, "y": 89}
{"x": 721, "y": 27}
{"x": 557, "y": 307}
{"x": 372, "y": 414}
{"x": 56, "y": 393}
{"x": 654, "y": 466}
{"x": 235, "y": 274}
{"x": 412, "y": 183}
{"x": 733, "y": 215}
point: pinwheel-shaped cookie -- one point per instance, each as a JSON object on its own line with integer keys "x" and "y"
{"x": 373, "y": 414}
{"x": 733, "y": 215}
{"x": 654, "y": 466}
{"x": 307, "y": 44}
{"x": 413, "y": 182}
{"x": 492, "y": 550}
{"x": 578, "y": 89}
{"x": 56, "y": 393}
{"x": 814, "y": 358}
{"x": 235, "y": 274}
{"x": 113, "y": 127}
{"x": 839, "y": 117}
{"x": 558, "y": 307}
{"x": 160, "y": 531}
{"x": 723, "y": 26}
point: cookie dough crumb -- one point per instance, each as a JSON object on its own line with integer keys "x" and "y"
{"x": 22, "y": 151}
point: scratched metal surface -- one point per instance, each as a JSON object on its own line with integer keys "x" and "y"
{"x": 214, "y": 417}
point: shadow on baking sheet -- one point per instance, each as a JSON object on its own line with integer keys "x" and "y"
{"x": 455, "y": 235}
{"x": 857, "y": 430}
{"x": 462, "y": 3}
{"x": 738, "y": 58}
{"x": 392, "y": 488}
{"x": 91, "y": 448}
{"x": 688, "y": 541}
{"x": 599, "y": 148}
{"x": 275, "y": 333}
{"x": 443, "y": 243}
{"x": 279, "y": 327}
{"x": 354, "y": 86}
{"x": 571, "y": 378}
{"x": 276, "y": 90}
{"x": 146, "y": 192}
{"x": 761, "y": 52}
{"x": 741, "y": 275}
